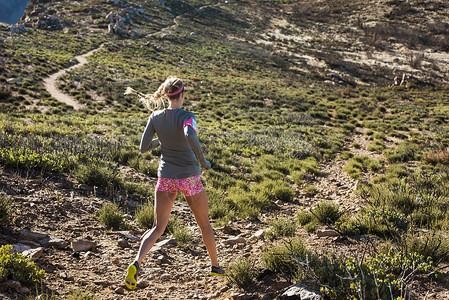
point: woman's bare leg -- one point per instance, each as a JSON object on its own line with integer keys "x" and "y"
{"x": 163, "y": 204}
{"x": 200, "y": 207}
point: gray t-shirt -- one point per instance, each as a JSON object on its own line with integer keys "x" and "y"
{"x": 178, "y": 160}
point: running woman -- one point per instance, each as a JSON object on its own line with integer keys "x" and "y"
{"x": 179, "y": 170}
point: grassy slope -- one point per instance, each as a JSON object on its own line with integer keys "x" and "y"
{"x": 253, "y": 87}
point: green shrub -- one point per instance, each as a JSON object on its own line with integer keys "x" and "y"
{"x": 283, "y": 192}
{"x": 359, "y": 164}
{"x": 298, "y": 177}
{"x": 96, "y": 174}
{"x": 327, "y": 213}
{"x": 311, "y": 190}
{"x": 280, "y": 258}
{"x": 353, "y": 168}
{"x": 81, "y": 295}
{"x": 219, "y": 205}
{"x": 429, "y": 244}
{"x": 145, "y": 215}
{"x": 383, "y": 222}
{"x": 281, "y": 227}
{"x": 241, "y": 272}
{"x": 111, "y": 216}
{"x": 310, "y": 165}
{"x": 311, "y": 227}
{"x": 304, "y": 217}
{"x": 376, "y": 146}
{"x": 5, "y": 209}
{"x": 404, "y": 152}
{"x": 17, "y": 267}
{"x": 181, "y": 233}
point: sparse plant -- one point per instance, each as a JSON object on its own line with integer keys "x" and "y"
{"x": 304, "y": 217}
{"x": 79, "y": 294}
{"x": 282, "y": 226}
{"x": 16, "y": 267}
{"x": 145, "y": 215}
{"x": 111, "y": 216}
{"x": 241, "y": 272}
{"x": 5, "y": 209}
{"x": 327, "y": 212}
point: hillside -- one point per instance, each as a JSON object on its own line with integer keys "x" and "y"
{"x": 325, "y": 123}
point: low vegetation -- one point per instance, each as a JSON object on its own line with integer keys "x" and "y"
{"x": 271, "y": 110}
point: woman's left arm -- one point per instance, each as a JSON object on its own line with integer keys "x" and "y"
{"x": 147, "y": 142}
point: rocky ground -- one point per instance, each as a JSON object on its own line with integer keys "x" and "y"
{"x": 55, "y": 223}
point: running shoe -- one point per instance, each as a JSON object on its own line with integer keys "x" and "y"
{"x": 131, "y": 277}
{"x": 217, "y": 271}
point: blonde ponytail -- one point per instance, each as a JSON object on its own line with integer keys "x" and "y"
{"x": 170, "y": 89}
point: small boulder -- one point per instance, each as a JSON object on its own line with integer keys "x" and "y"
{"x": 234, "y": 241}
{"x": 326, "y": 232}
{"x": 33, "y": 254}
{"x": 302, "y": 292}
{"x": 83, "y": 245}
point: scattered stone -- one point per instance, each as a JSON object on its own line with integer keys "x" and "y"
{"x": 19, "y": 248}
{"x": 10, "y": 285}
{"x": 103, "y": 283}
{"x": 31, "y": 244}
{"x": 66, "y": 277}
{"x": 55, "y": 243}
{"x": 128, "y": 236}
{"x": 234, "y": 241}
{"x": 33, "y": 254}
{"x": 83, "y": 245}
{"x": 24, "y": 291}
{"x": 119, "y": 291}
{"x": 49, "y": 23}
{"x": 165, "y": 243}
{"x": 259, "y": 233}
{"x": 229, "y": 230}
{"x": 32, "y": 236}
{"x": 160, "y": 259}
{"x": 326, "y": 232}
{"x": 166, "y": 276}
{"x": 122, "y": 243}
{"x": 299, "y": 291}
{"x": 18, "y": 28}
{"x": 143, "y": 284}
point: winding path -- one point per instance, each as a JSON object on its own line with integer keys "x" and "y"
{"x": 50, "y": 82}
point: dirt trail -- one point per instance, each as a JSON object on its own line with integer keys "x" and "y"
{"x": 50, "y": 82}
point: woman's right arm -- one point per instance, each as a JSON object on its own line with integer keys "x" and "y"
{"x": 147, "y": 142}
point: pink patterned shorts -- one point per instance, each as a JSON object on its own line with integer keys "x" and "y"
{"x": 187, "y": 186}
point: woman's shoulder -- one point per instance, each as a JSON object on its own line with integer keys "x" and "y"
{"x": 186, "y": 113}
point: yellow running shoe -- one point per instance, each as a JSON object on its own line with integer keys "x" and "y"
{"x": 131, "y": 277}
{"x": 217, "y": 271}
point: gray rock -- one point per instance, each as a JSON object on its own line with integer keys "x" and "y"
{"x": 10, "y": 285}
{"x": 128, "y": 236}
{"x": 234, "y": 241}
{"x": 301, "y": 292}
{"x": 122, "y": 243}
{"x": 33, "y": 236}
{"x": 33, "y": 254}
{"x": 83, "y": 245}
{"x": 326, "y": 232}
{"x": 56, "y": 243}
{"x": 165, "y": 243}
{"x": 119, "y": 291}
{"x": 19, "y": 248}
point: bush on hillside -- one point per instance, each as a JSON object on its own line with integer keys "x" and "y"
{"x": 17, "y": 267}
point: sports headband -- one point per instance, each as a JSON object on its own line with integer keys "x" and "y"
{"x": 177, "y": 92}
